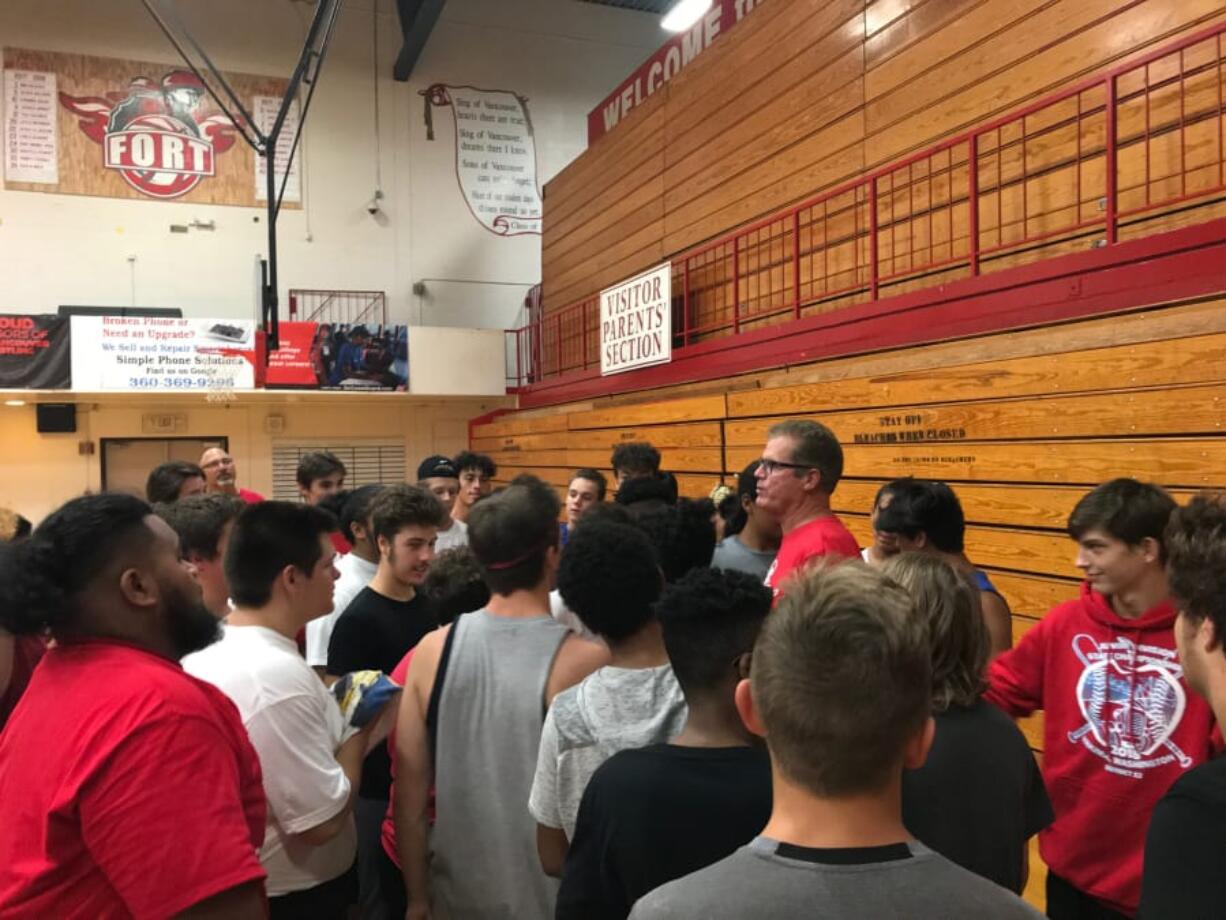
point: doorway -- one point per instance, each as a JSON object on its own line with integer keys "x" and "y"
{"x": 127, "y": 462}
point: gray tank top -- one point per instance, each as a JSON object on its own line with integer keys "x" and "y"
{"x": 491, "y": 709}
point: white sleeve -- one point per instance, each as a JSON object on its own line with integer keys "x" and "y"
{"x": 304, "y": 783}
{"x": 318, "y": 635}
{"x": 543, "y": 802}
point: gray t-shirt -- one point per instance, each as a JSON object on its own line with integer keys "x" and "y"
{"x": 768, "y": 880}
{"x": 610, "y": 710}
{"x": 733, "y": 554}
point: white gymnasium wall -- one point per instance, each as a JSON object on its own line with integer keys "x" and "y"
{"x": 563, "y": 55}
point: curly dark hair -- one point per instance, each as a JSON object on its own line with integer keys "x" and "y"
{"x": 402, "y": 506}
{"x": 1195, "y": 541}
{"x": 455, "y": 585}
{"x": 635, "y": 458}
{"x": 610, "y": 578}
{"x": 710, "y": 617}
{"x": 468, "y": 460}
{"x": 683, "y": 536}
{"x": 42, "y": 577}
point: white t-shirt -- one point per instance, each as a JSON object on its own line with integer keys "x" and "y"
{"x": 453, "y": 536}
{"x": 355, "y": 574}
{"x": 568, "y": 618}
{"x": 295, "y": 727}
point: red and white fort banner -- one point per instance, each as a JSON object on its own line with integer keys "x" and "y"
{"x": 665, "y": 64}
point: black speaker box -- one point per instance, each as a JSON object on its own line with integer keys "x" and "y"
{"x": 56, "y": 418}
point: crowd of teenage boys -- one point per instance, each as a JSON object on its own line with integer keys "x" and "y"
{"x": 445, "y": 700}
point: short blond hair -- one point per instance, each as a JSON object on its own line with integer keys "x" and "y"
{"x": 841, "y": 678}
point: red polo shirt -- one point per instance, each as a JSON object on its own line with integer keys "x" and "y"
{"x": 129, "y": 789}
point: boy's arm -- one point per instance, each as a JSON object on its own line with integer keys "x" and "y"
{"x": 1015, "y": 679}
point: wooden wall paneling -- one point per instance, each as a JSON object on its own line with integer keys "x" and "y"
{"x": 796, "y": 34}
{"x": 895, "y": 26}
{"x": 1026, "y": 551}
{"x": 1193, "y": 360}
{"x": 688, "y": 485}
{"x": 831, "y": 155}
{"x": 1032, "y": 728}
{"x": 621, "y": 207}
{"x": 1168, "y": 411}
{"x": 1065, "y": 41}
{"x": 697, "y": 434}
{"x": 1181, "y": 462}
{"x": 694, "y": 408}
{"x": 512, "y": 424}
{"x": 823, "y": 86}
{"x": 1046, "y": 507}
{"x": 673, "y": 459}
{"x": 1031, "y": 596}
{"x": 618, "y": 155}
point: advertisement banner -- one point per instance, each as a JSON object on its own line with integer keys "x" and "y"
{"x": 34, "y": 352}
{"x": 330, "y": 356}
{"x": 678, "y": 52}
{"x": 156, "y": 354}
{"x": 636, "y": 322}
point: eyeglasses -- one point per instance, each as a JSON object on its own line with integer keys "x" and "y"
{"x": 769, "y": 467}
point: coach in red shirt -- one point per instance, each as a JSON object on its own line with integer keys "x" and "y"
{"x": 129, "y": 788}
{"x": 800, "y": 466}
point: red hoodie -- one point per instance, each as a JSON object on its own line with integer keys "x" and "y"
{"x": 1120, "y": 727}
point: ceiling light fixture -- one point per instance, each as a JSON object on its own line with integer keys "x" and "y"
{"x": 14, "y": 402}
{"x": 684, "y": 14}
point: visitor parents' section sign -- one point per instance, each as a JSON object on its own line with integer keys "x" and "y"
{"x": 636, "y": 322}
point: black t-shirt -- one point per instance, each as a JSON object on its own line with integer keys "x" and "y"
{"x": 979, "y": 797}
{"x": 373, "y": 634}
{"x": 1186, "y": 848}
{"x": 653, "y": 815}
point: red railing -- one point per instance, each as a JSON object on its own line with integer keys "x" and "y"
{"x": 1132, "y": 152}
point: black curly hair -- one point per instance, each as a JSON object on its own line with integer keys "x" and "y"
{"x": 683, "y": 536}
{"x": 610, "y": 578}
{"x": 41, "y": 577}
{"x": 709, "y": 618}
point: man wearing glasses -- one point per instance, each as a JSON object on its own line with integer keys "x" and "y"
{"x": 220, "y": 475}
{"x": 800, "y": 466}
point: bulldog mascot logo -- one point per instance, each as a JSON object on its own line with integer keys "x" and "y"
{"x": 152, "y": 134}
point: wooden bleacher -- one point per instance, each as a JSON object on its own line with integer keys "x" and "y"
{"x": 1021, "y": 437}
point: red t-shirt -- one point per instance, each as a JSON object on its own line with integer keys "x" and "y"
{"x": 129, "y": 789}
{"x": 400, "y": 674}
{"x": 251, "y": 498}
{"x": 824, "y": 536}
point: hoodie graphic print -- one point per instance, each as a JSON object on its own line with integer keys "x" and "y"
{"x": 1120, "y": 726}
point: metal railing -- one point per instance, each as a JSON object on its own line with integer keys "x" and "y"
{"x": 1132, "y": 152}
{"x": 338, "y": 307}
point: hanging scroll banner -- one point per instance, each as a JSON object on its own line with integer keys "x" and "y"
{"x": 495, "y": 155}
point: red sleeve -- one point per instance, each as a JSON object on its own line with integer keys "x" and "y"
{"x": 163, "y": 817}
{"x": 1015, "y": 678}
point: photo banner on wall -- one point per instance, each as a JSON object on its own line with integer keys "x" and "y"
{"x": 495, "y": 155}
{"x": 156, "y": 354}
{"x": 34, "y": 352}
{"x": 328, "y": 356}
{"x": 81, "y": 125}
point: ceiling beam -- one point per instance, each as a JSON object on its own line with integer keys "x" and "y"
{"x": 417, "y": 19}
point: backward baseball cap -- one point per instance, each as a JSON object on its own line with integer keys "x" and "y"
{"x": 437, "y": 466}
